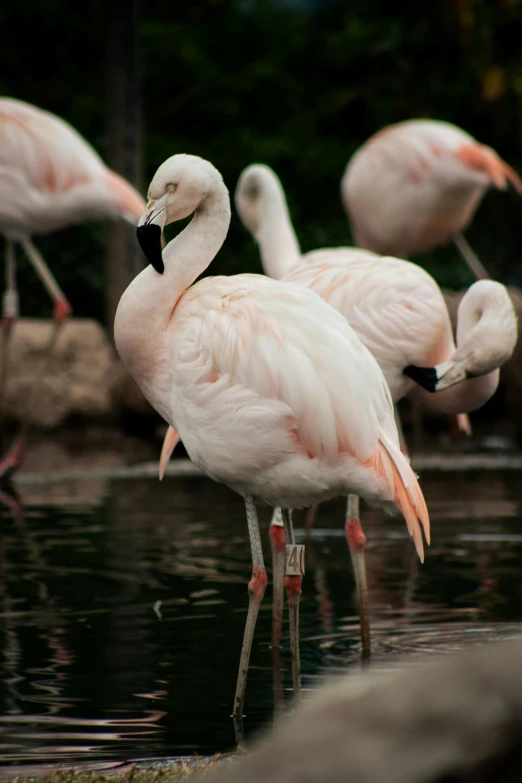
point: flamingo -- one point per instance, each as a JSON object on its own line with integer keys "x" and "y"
{"x": 398, "y": 311}
{"x": 271, "y": 391}
{"x": 50, "y": 177}
{"x": 417, "y": 184}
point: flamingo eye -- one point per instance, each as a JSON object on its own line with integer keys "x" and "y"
{"x": 171, "y": 188}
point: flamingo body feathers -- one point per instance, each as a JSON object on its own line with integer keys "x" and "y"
{"x": 269, "y": 388}
{"x": 51, "y": 177}
{"x": 415, "y": 185}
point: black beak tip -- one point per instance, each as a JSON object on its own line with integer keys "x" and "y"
{"x": 149, "y": 237}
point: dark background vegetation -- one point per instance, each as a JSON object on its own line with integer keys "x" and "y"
{"x": 297, "y": 85}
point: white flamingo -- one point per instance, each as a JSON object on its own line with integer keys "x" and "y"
{"x": 399, "y": 313}
{"x": 417, "y": 184}
{"x": 50, "y": 177}
{"x": 271, "y": 391}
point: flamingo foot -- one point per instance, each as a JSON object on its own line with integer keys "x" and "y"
{"x": 13, "y": 459}
{"x": 62, "y": 311}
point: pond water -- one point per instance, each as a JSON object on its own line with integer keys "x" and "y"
{"x": 122, "y": 604}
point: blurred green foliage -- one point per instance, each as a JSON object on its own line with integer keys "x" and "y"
{"x": 298, "y": 86}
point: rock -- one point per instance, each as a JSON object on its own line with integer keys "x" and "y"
{"x": 455, "y": 718}
{"x": 72, "y": 381}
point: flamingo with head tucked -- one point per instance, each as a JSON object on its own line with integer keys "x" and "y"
{"x": 269, "y": 388}
{"x": 50, "y": 178}
{"x": 398, "y": 311}
{"x": 417, "y": 184}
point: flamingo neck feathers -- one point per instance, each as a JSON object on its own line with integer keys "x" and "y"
{"x": 189, "y": 254}
{"x": 146, "y": 309}
{"x": 280, "y": 252}
{"x": 272, "y": 226}
{"x": 486, "y": 327}
{"x": 486, "y": 338}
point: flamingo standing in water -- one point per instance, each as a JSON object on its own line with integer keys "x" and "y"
{"x": 417, "y": 184}
{"x": 50, "y": 177}
{"x": 398, "y": 312}
{"x": 269, "y": 388}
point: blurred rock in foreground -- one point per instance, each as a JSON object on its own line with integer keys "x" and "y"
{"x": 456, "y": 718}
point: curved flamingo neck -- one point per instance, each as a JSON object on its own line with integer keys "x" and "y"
{"x": 486, "y": 336}
{"x": 189, "y": 254}
{"x": 465, "y": 397}
{"x": 148, "y": 304}
{"x": 279, "y": 248}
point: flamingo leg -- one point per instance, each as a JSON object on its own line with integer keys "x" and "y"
{"x": 278, "y": 545}
{"x": 293, "y": 584}
{"x": 62, "y": 308}
{"x": 471, "y": 258}
{"x": 10, "y": 313}
{"x": 256, "y": 591}
{"x": 356, "y": 542}
{"x": 310, "y": 519}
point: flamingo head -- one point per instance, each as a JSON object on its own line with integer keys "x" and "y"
{"x": 180, "y": 187}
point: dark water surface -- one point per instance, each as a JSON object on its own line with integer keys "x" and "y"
{"x": 122, "y": 606}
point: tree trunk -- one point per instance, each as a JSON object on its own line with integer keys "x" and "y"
{"x": 124, "y": 141}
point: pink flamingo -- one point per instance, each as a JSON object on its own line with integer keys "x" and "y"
{"x": 417, "y": 184}
{"x": 397, "y": 310}
{"x": 270, "y": 389}
{"x": 50, "y": 177}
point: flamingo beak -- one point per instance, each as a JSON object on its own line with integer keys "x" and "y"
{"x": 149, "y": 233}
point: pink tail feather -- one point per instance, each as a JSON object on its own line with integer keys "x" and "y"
{"x": 391, "y": 465}
{"x": 170, "y": 442}
{"x": 482, "y": 158}
{"x": 464, "y": 424}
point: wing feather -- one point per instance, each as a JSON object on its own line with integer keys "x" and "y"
{"x": 285, "y": 345}
{"x": 49, "y": 153}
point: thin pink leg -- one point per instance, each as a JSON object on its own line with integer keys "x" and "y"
{"x": 15, "y": 455}
{"x": 256, "y": 591}
{"x": 310, "y": 519}
{"x": 9, "y": 315}
{"x": 62, "y": 308}
{"x": 12, "y": 460}
{"x": 356, "y": 542}
{"x": 470, "y": 257}
{"x": 278, "y": 546}
{"x": 293, "y": 583}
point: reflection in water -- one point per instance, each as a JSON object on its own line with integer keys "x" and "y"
{"x": 121, "y": 619}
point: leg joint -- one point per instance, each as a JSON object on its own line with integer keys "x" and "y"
{"x": 258, "y": 582}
